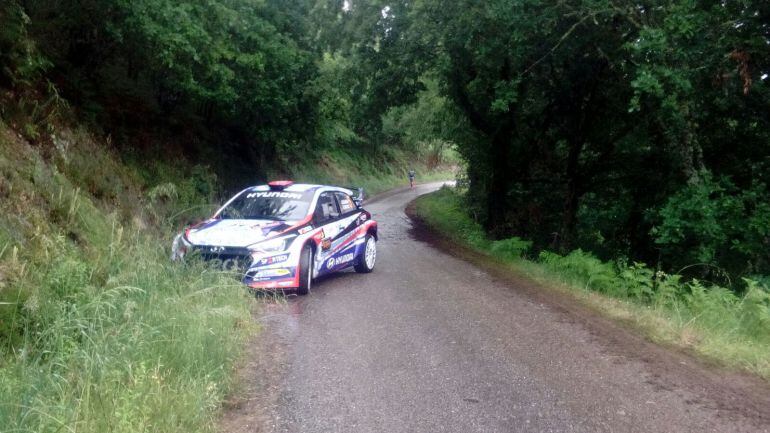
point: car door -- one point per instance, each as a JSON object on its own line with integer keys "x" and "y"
{"x": 349, "y": 216}
{"x": 326, "y": 217}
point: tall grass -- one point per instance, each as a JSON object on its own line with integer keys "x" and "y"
{"x": 99, "y": 331}
{"x": 713, "y": 321}
{"x": 148, "y": 349}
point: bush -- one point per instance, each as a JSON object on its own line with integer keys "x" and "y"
{"x": 755, "y": 306}
{"x": 20, "y": 63}
{"x": 513, "y": 248}
{"x": 714, "y": 223}
{"x": 584, "y": 269}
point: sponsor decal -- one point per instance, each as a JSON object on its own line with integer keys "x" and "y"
{"x": 305, "y": 229}
{"x": 336, "y": 261}
{"x": 326, "y": 244}
{"x": 274, "y": 273}
{"x": 273, "y": 259}
{"x": 217, "y": 249}
{"x": 269, "y": 274}
{"x": 275, "y": 194}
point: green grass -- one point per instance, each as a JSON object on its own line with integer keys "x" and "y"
{"x": 712, "y": 321}
{"x": 150, "y": 349}
{"x": 99, "y": 331}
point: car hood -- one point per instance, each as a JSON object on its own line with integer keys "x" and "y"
{"x": 235, "y": 233}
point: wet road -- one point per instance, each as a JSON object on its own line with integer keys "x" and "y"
{"x": 432, "y": 343}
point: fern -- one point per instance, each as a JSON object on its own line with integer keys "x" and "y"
{"x": 513, "y": 248}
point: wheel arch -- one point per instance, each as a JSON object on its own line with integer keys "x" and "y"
{"x": 373, "y": 232}
{"x": 312, "y": 244}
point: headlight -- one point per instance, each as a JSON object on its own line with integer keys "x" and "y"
{"x": 273, "y": 245}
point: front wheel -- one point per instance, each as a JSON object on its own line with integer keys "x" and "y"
{"x": 368, "y": 256}
{"x": 305, "y": 270}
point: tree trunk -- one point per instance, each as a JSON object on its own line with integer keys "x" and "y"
{"x": 499, "y": 182}
{"x": 572, "y": 196}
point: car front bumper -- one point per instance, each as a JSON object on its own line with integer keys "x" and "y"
{"x": 280, "y": 277}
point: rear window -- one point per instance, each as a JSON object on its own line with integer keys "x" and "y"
{"x": 269, "y": 205}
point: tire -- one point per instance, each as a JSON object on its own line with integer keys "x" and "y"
{"x": 368, "y": 257}
{"x": 305, "y": 270}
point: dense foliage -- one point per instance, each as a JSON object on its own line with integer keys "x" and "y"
{"x": 609, "y": 132}
{"x": 629, "y": 128}
{"x": 636, "y": 129}
{"x": 245, "y": 83}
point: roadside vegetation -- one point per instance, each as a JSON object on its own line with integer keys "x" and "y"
{"x": 605, "y": 133}
{"x": 98, "y": 330}
{"x": 715, "y": 322}
{"x": 122, "y": 122}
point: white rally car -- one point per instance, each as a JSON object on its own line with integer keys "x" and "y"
{"x": 283, "y": 235}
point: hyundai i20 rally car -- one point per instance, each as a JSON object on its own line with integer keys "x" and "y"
{"x": 284, "y": 235}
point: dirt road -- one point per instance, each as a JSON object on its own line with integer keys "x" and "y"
{"x": 432, "y": 343}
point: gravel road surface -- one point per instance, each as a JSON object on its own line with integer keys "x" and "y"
{"x": 430, "y": 342}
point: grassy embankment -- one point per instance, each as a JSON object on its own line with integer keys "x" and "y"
{"x": 711, "y": 321}
{"x": 99, "y": 331}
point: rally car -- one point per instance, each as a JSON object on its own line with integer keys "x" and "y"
{"x": 284, "y": 235}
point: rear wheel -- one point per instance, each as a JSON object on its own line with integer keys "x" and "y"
{"x": 305, "y": 270}
{"x": 368, "y": 256}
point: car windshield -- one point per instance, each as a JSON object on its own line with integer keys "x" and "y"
{"x": 270, "y": 205}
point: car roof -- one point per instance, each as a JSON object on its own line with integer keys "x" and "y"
{"x": 304, "y": 187}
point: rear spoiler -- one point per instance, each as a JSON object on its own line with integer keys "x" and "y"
{"x": 358, "y": 194}
{"x": 358, "y": 199}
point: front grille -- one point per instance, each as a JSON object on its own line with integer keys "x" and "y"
{"x": 228, "y": 258}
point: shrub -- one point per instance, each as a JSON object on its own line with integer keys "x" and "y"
{"x": 584, "y": 269}
{"x": 635, "y": 281}
{"x": 755, "y": 310}
{"x": 713, "y": 222}
{"x": 511, "y": 248}
{"x": 20, "y": 63}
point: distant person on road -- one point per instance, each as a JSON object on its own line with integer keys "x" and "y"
{"x": 411, "y": 178}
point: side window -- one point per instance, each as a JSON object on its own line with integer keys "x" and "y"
{"x": 326, "y": 210}
{"x": 346, "y": 203}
